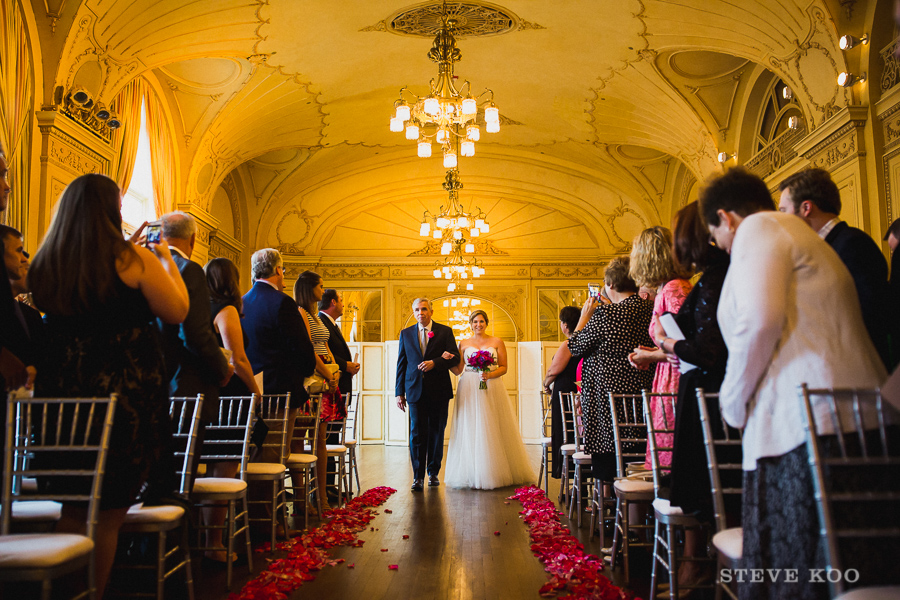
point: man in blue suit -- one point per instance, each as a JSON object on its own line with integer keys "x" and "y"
{"x": 277, "y": 341}
{"x": 423, "y": 382}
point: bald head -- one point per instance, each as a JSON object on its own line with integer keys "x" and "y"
{"x": 180, "y": 230}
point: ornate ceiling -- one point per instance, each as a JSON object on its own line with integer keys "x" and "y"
{"x": 612, "y": 111}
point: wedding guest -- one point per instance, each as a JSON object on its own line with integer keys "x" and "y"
{"x": 13, "y": 372}
{"x": 704, "y": 348}
{"x": 652, "y": 266}
{"x": 562, "y": 376}
{"x": 815, "y": 198}
{"x": 604, "y": 335}
{"x": 101, "y": 295}
{"x": 225, "y": 305}
{"x": 308, "y": 291}
{"x": 789, "y": 314}
{"x": 25, "y": 333}
{"x": 892, "y": 237}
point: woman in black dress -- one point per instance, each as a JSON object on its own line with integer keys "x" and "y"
{"x": 703, "y": 347}
{"x": 102, "y": 295}
{"x": 604, "y": 336}
{"x": 562, "y": 374}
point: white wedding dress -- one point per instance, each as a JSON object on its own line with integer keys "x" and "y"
{"x": 486, "y": 450}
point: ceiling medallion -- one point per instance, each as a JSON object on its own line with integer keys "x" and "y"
{"x": 474, "y": 19}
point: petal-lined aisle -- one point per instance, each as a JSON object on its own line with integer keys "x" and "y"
{"x": 573, "y": 573}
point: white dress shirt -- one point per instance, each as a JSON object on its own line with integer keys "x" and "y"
{"x": 789, "y": 314}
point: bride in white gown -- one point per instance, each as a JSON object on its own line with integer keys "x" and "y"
{"x": 486, "y": 450}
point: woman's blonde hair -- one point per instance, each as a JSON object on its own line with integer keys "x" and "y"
{"x": 475, "y": 313}
{"x": 652, "y": 263}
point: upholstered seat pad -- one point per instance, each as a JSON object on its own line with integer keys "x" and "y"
{"x": 301, "y": 460}
{"x": 36, "y": 510}
{"x": 664, "y": 507}
{"x": 336, "y": 449}
{"x": 730, "y": 542}
{"x": 349, "y": 443}
{"x": 218, "y": 485}
{"x": 871, "y": 593}
{"x": 582, "y": 457}
{"x": 633, "y": 485}
{"x": 568, "y": 448}
{"x": 265, "y": 469}
{"x": 41, "y": 550}
{"x": 166, "y": 513}
{"x": 545, "y": 441}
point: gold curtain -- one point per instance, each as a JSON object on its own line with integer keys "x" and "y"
{"x": 127, "y": 105}
{"x": 16, "y": 106}
{"x": 162, "y": 155}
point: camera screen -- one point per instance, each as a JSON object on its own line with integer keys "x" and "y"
{"x": 153, "y": 234}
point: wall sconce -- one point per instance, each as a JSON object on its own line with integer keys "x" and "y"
{"x": 846, "y": 79}
{"x": 794, "y": 122}
{"x": 82, "y": 98}
{"x": 787, "y": 93}
{"x": 848, "y": 41}
{"x": 113, "y": 122}
{"x": 724, "y": 157}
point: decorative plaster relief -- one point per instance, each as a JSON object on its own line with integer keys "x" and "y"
{"x": 777, "y": 153}
{"x": 232, "y": 193}
{"x": 433, "y": 247}
{"x": 292, "y": 229}
{"x": 69, "y": 153}
{"x": 352, "y": 272}
{"x": 838, "y": 148}
{"x": 891, "y": 169}
{"x": 619, "y": 219}
{"x": 217, "y": 249}
{"x": 473, "y": 19}
{"x": 579, "y": 271}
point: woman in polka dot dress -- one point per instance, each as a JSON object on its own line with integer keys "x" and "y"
{"x": 604, "y": 336}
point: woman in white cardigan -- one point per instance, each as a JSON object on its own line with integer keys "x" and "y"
{"x": 789, "y": 314}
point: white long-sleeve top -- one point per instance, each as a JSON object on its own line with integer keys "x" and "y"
{"x": 789, "y": 314}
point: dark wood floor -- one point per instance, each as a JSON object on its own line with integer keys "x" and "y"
{"x": 451, "y": 552}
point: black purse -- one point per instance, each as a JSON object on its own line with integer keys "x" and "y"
{"x": 259, "y": 432}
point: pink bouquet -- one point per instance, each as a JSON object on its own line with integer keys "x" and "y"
{"x": 481, "y": 360}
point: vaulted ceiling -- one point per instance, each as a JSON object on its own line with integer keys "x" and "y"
{"x": 612, "y": 111}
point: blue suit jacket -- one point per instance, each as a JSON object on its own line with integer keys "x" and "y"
{"x": 277, "y": 341}
{"x": 435, "y": 385}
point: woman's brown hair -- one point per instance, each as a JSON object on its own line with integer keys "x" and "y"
{"x": 303, "y": 292}
{"x": 475, "y": 313}
{"x": 224, "y": 282}
{"x": 74, "y": 270}
{"x": 691, "y": 249}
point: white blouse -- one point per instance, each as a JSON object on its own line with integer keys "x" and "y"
{"x": 789, "y": 314}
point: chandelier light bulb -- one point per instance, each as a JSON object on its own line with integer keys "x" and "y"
{"x": 424, "y": 149}
{"x": 437, "y": 275}
{"x": 449, "y": 160}
{"x": 473, "y": 133}
{"x": 462, "y": 222}
{"x": 446, "y": 303}
{"x": 403, "y": 112}
{"x": 448, "y": 276}
{"x": 396, "y": 124}
{"x": 449, "y": 108}
{"x": 451, "y": 287}
{"x": 457, "y": 234}
{"x": 412, "y": 132}
{"x": 443, "y": 222}
{"x": 424, "y": 229}
{"x": 492, "y": 114}
{"x": 492, "y": 126}
{"x": 446, "y": 269}
{"x": 464, "y": 275}
{"x": 470, "y": 287}
{"x": 436, "y": 234}
{"x": 470, "y": 248}
{"x": 442, "y": 137}
{"x": 445, "y": 247}
{"x": 474, "y": 232}
{"x": 431, "y": 106}
{"x": 469, "y": 106}
{"x": 467, "y": 148}
{"x": 484, "y": 227}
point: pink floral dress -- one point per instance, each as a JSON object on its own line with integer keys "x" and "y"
{"x": 669, "y": 299}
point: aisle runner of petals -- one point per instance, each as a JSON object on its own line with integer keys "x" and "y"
{"x": 307, "y": 553}
{"x": 571, "y": 570}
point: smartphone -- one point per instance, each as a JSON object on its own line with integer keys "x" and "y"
{"x": 154, "y": 233}
{"x": 594, "y": 290}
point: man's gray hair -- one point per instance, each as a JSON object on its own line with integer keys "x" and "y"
{"x": 178, "y": 225}
{"x": 263, "y": 263}
{"x": 418, "y": 301}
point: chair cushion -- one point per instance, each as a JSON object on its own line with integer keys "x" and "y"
{"x": 41, "y": 550}
{"x": 664, "y": 507}
{"x": 29, "y": 485}
{"x": 265, "y": 469}
{"x": 36, "y": 510}
{"x": 582, "y": 458}
{"x": 730, "y": 542}
{"x": 218, "y": 485}
{"x": 633, "y": 485}
{"x": 336, "y": 449}
{"x": 300, "y": 460}
{"x": 568, "y": 449}
{"x": 164, "y": 513}
{"x": 871, "y": 593}
{"x": 349, "y": 443}
{"x": 545, "y": 441}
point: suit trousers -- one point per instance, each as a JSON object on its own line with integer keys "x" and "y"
{"x": 427, "y": 421}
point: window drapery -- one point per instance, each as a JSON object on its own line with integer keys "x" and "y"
{"x": 128, "y": 106}
{"x": 162, "y": 155}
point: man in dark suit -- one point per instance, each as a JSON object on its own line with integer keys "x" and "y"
{"x": 278, "y": 344}
{"x": 423, "y": 381}
{"x": 25, "y": 331}
{"x": 814, "y": 197}
{"x": 331, "y": 307}
{"x": 13, "y": 373}
{"x": 195, "y": 363}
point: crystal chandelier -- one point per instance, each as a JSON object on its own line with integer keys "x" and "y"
{"x": 446, "y": 115}
{"x": 454, "y": 228}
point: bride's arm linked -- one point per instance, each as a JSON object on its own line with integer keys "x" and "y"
{"x": 457, "y": 369}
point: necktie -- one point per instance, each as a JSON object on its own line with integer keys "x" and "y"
{"x": 423, "y": 339}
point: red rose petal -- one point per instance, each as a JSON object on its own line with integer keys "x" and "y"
{"x": 393, "y": 567}
{"x": 388, "y": 511}
{"x": 384, "y": 549}
{"x": 405, "y": 537}
{"x": 496, "y": 533}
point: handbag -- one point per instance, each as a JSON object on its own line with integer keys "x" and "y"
{"x": 316, "y": 384}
